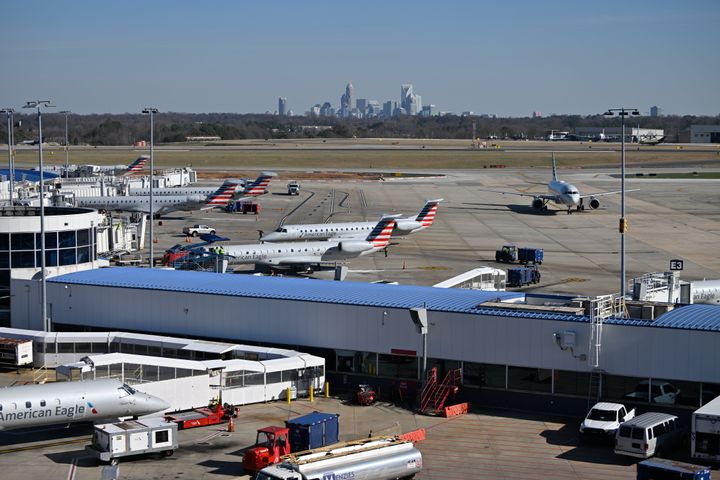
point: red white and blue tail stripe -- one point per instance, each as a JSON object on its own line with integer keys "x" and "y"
{"x": 138, "y": 164}
{"x": 381, "y": 233}
{"x": 222, "y": 195}
{"x": 260, "y": 185}
{"x": 427, "y": 214}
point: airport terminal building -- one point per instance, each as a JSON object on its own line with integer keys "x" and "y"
{"x": 508, "y": 350}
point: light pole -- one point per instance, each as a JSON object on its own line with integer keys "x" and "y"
{"x": 10, "y": 114}
{"x": 38, "y": 104}
{"x": 151, "y": 111}
{"x": 622, "y": 112}
{"x": 67, "y": 160}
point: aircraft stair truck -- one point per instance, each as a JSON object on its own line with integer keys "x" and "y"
{"x": 705, "y": 436}
{"x": 302, "y": 433}
{"x": 134, "y": 437}
{"x": 376, "y": 458}
{"x": 518, "y": 277}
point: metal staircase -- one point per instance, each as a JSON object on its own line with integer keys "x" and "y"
{"x": 435, "y": 394}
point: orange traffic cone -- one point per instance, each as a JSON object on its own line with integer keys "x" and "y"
{"x": 231, "y": 425}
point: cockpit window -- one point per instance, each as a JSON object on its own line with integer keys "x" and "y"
{"x": 126, "y": 390}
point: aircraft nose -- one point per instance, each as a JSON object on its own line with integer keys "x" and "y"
{"x": 155, "y": 404}
{"x": 269, "y": 237}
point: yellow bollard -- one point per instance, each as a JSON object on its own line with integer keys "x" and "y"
{"x": 327, "y": 389}
{"x": 312, "y": 394}
{"x": 289, "y": 397}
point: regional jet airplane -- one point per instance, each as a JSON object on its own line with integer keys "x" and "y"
{"x": 562, "y": 193}
{"x": 71, "y": 402}
{"x": 242, "y": 186}
{"x": 307, "y": 254}
{"x": 134, "y": 167}
{"x": 162, "y": 204}
{"x": 325, "y": 231}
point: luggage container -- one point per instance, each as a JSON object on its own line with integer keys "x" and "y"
{"x": 313, "y": 430}
{"x": 517, "y": 277}
{"x": 134, "y": 437}
{"x": 660, "y": 468}
{"x": 531, "y": 255}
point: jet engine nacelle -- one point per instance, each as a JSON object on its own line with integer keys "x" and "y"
{"x": 354, "y": 246}
{"x": 594, "y": 203}
{"x": 537, "y": 203}
{"x": 407, "y": 225}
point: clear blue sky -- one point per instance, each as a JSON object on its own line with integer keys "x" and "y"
{"x": 507, "y": 58}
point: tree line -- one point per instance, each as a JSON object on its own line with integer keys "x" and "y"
{"x": 126, "y": 129}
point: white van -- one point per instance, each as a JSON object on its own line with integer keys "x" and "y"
{"x": 648, "y": 434}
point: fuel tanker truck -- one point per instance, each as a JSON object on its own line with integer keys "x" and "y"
{"x": 376, "y": 458}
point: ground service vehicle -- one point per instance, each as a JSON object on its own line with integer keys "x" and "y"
{"x": 660, "y": 468}
{"x": 517, "y": 277}
{"x": 705, "y": 432}
{"x": 293, "y": 187}
{"x": 200, "y": 417}
{"x": 603, "y": 421}
{"x": 16, "y": 352}
{"x": 649, "y": 434}
{"x": 657, "y": 391}
{"x": 243, "y": 206}
{"x": 531, "y": 255}
{"x": 377, "y": 458}
{"x": 365, "y": 395}
{"x": 197, "y": 230}
{"x": 135, "y": 437}
{"x": 507, "y": 254}
{"x": 302, "y": 433}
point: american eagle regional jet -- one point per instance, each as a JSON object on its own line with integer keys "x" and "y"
{"x": 561, "y": 193}
{"x": 305, "y": 255}
{"x": 72, "y": 402}
{"x": 325, "y": 231}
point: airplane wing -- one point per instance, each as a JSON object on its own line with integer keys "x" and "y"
{"x": 543, "y": 196}
{"x": 601, "y": 194}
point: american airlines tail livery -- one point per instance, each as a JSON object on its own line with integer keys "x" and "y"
{"x": 73, "y": 402}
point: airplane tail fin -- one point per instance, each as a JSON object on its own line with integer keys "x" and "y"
{"x": 554, "y": 167}
{"x": 259, "y": 186}
{"x": 380, "y": 234}
{"x": 222, "y": 195}
{"x": 138, "y": 164}
{"x": 427, "y": 214}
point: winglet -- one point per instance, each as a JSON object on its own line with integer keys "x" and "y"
{"x": 554, "y": 167}
{"x": 427, "y": 214}
{"x": 380, "y": 234}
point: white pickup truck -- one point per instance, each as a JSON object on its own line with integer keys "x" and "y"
{"x": 603, "y": 420}
{"x": 196, "y": 230}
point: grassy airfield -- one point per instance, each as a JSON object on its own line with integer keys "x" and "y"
{"x": 380, "y": 154}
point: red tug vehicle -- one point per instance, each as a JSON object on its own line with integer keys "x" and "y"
{"x": 271, "y": 444}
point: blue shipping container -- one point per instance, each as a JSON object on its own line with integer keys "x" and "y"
{"x": 313, "y": 430}
{"x": 660, "y": 469}
{"x": 528, "y": 255}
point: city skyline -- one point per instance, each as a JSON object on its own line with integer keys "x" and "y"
{"x": 508, "y": 60}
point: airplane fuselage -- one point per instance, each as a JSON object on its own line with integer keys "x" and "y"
{"x": 565, "y": 193}
{"x": 298, "y": 253}
{"x": 72, "y": 402}
{"x": 162, "y": 204}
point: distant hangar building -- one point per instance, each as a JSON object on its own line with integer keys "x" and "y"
{"x": 510, "y": 351}
{"x": 704, "y": 133}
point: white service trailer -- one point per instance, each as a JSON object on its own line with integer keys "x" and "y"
{"x": 705, "y": 434}
{"x": 16, "y": 352}
{"x": 135, "y": 437}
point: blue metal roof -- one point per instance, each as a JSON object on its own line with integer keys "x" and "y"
{"x": 282, "y": 288}
{"x": 29, "y": 175}
{"x": 692, "y": 317}
{"x": 311, "y": 419}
